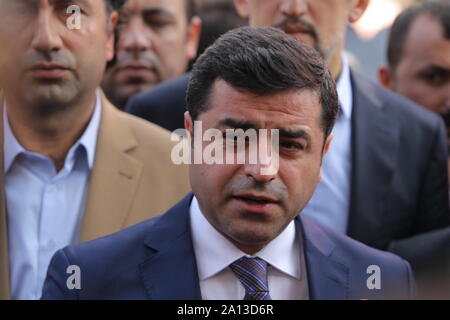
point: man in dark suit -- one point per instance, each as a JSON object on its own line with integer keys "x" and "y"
{"x": 164, "y": 105}
{"x": 384, "y": 178}
{"x": 429, "y": 255}
{"x": 419, "y": 69}
{"x": 239, "y": 235}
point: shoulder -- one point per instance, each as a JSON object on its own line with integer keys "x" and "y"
{"x": 167, "y": 92}
{"x": 121, "y": 248}
{"x": 362, "y": 261}
{"x": 152, "y": 137}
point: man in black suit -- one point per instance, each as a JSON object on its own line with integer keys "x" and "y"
{"x": 384, "y": 178}
{"x": 419, "y": 69}
{"x": 239, "y": 234}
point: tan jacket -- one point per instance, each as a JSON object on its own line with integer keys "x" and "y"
{"x": 132, "y": 179}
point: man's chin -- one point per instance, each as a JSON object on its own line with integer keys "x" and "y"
{"x": 305, "y": 38}
{"x": 48, "y": 99}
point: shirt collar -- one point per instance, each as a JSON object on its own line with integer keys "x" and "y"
{"x": 214, "y": 252}
{"x": 12, "y": 147}
{"x": 344, "y": 89}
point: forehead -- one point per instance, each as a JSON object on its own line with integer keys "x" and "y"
{"x": 426, "y": 41}
{"x": 322, "y": 6}
{"x": 173, "y": 6}
{"x": 288, "y": 108}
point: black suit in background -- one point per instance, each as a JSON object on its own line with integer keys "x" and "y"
{"x": 429, "y": 255}
{"x": 399, "y": 159}
{"x": 164, "y": 105}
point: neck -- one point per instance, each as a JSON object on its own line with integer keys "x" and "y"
{"x": 335, "y": 66}
{"x": 50, "y": 134}
{"x": 249, "y": 249}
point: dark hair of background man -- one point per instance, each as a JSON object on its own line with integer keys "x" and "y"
{"x": 400, "y": 28}
{"x": 271, "y": 64}
{"x": 218, "y": 17}
{"x": 114, "y": 4}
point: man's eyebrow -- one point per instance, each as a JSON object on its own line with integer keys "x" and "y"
{"x": 237, "y": 124}
{"x": 152, "y": 12}
{"x": 295, "y": 134}
{"x": 437, "y": 68}
{"x": 84, "y": 3}
{"x": 245, "y": 125}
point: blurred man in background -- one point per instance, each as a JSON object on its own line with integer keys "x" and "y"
{"x": 419, "y": 57}
{"x": 419, "y": 69}
{"x": 165, "y": 104}
{"x": 73, "y": 167}
{"x": 156, "y": 41}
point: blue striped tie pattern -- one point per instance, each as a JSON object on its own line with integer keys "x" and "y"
{"x": 252, "y": 273}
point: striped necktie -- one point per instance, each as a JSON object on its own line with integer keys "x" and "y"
{"x": 252, "y": 273}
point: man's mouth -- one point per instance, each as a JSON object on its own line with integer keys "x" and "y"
{"x": 257, "y": 199}
{"x": 295, "y": 29}
{"x": 48, "y": 70}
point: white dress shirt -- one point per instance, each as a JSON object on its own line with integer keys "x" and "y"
{"x": 44, "y": 207}
{"x": 214, "y": 253}
{"x": 330, "y": 203}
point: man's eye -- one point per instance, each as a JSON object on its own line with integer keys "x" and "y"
{"x": 434, "y": 78}
{"x": 157, "y": 22}
{"x": 294, "y": 146}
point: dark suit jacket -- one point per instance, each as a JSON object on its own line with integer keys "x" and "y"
{"x": 155, "y": 260}
{"x": 164, "y": 105}
{"x": 399, "y": 159}
{"x": 429, "y": 255}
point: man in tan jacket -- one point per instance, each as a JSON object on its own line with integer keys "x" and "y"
{"x": 74, "y": 167}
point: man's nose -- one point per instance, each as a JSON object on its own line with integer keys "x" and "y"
{"x": 135, "y": 38}
{"x": 46, "y": 37}
{"x": 294, "y": 7}
{"x": 257, "y": 172}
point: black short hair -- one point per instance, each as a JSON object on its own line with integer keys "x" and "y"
{"x": 402, "y": 24}
{"x": 262, "y": 61}
{"x": 112, "y": 5}
{"x": 191, "y": 8}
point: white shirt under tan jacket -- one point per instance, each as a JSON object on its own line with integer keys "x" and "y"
{"x": 132, "y": 179}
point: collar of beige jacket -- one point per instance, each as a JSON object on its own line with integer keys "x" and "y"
{"x": 114, "y": 178}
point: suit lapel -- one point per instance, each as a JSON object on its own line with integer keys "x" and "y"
{"x": 170, "y": 272}
{"x": 4, "y": 258}
{"x": 327, "y": 277}
{"x": 374, "y": 148}
{"x": 114, "y": 178}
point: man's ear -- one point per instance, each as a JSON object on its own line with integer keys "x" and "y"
{"x": 385, "y": 77}
{"x": 325, "y": 150}
{"x": 242, "y": 8}
{"x": 358, "y": 7}
{"x": 113, "y": 18}
{"x": 193, "y": 37}
{"x": 327, "y": 145}
{"x": 188, "y": 123}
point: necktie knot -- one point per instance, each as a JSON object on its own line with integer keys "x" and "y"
{"x": 252, "y": 273}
